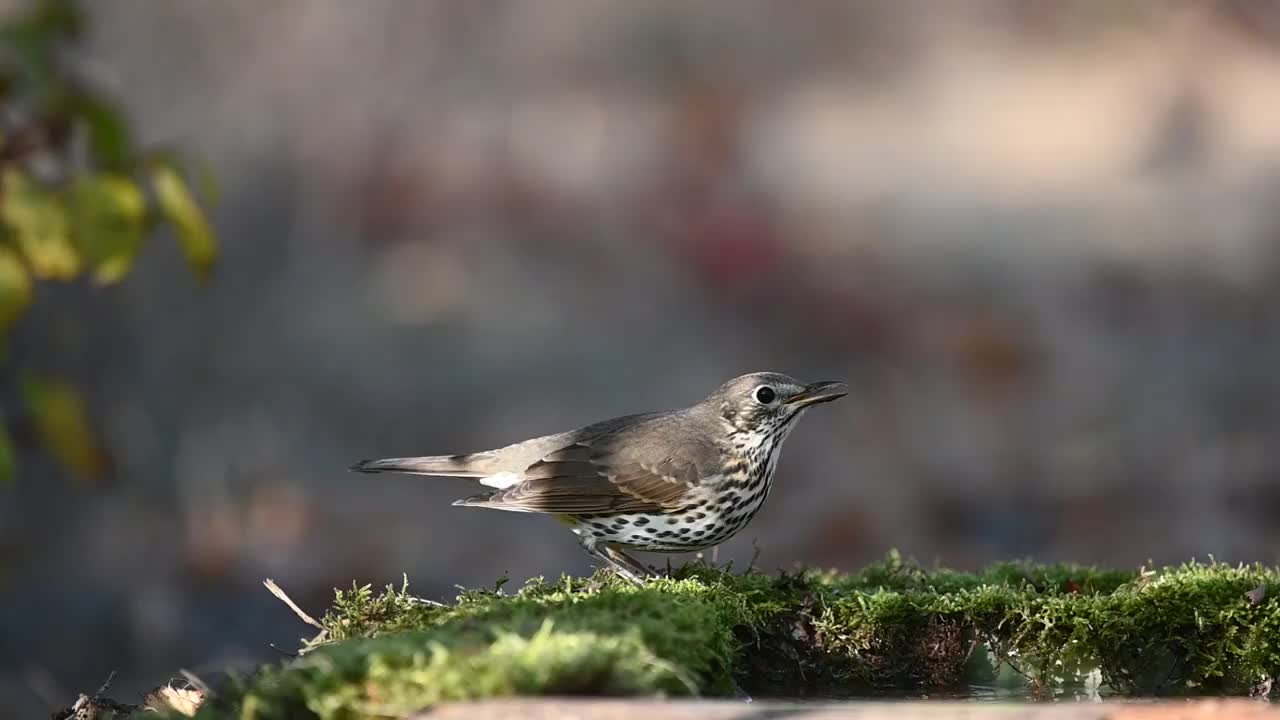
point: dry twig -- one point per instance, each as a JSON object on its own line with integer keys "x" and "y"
{"x": 275, "y": 590}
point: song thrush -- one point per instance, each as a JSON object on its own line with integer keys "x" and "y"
{"x": 674, "y": 481}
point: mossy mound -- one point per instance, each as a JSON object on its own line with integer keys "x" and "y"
{"x": 1207, "y": 628}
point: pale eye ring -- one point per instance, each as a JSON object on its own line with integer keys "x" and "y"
{"x": 765, "y": 395}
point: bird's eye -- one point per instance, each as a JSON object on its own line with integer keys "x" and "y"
{"x": 765, "y": 395}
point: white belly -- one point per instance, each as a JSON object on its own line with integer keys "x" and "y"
{"x": 645, "y": 531}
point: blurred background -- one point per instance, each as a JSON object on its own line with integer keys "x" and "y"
{"x": 1042, "y": 240}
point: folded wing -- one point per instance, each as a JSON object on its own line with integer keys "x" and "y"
{"x": 586, "y": 478}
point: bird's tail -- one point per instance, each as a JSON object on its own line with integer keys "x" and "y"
{"x": 474, "y": 465}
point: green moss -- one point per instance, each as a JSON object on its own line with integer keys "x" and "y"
{"x": 891, "y": 626}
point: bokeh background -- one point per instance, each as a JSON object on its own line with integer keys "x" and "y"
{"x": 1042, "y": 239}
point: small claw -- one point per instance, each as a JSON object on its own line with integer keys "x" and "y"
{"x": 630, "y": 576}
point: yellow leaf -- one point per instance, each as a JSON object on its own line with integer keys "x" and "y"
{"x": 15, "y": 288}
{"x": 108, "y": 213}
{"x": 38, "y": 220}
{"x": 8, "y": 459}
{"x": 181, "y": 209}
{"x": 62, "y": 424}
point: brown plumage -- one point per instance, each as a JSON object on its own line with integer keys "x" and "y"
{"x": 668, "y": 482}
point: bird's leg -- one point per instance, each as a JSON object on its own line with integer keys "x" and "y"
{"x": 622, "y": 569}
{"x": 621, "y": 558}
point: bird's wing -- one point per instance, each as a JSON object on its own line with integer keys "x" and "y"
{"x": 614, "y": 473}
{"x": 509, "y": 460}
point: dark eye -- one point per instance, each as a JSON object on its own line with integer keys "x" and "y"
{"x": 765, "y": 395}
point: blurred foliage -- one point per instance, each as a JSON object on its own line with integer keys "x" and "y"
{"x": 62, "y": 425}
{"x": 78, "y": 199}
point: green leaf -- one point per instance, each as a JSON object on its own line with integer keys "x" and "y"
{"x": 38, "y": 220}
{"x": 34, "y": 39}
{"x": 62, "y": 423}
{"x": 15, "y": 288}
{"x": 110, "y": 141}
{"x": 8, "y": 459}
{"x": 206, "y": 182}
{"x": 180, "y": 208}
{"x": 53, "y": 20}
{"x": 108, "y": 213}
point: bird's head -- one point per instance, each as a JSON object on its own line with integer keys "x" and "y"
{"x": 764, "y": 400}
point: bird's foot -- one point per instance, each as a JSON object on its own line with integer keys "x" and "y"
{"x": 622, "y": 564}
{"x": 600, "y": 581}
{"x": 628, "y": 567}
{"x": 633, "y": 578}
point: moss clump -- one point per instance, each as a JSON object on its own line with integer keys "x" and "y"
{"x": 1198, "y": 627}
{"x": 389, "y": 655}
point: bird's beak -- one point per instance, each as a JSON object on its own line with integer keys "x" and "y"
{"x": 819, "y": 392}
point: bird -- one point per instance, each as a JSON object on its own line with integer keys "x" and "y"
{"x": 668, "y": 482}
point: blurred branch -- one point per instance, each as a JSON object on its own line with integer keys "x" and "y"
{"x": 97, "y": 705}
